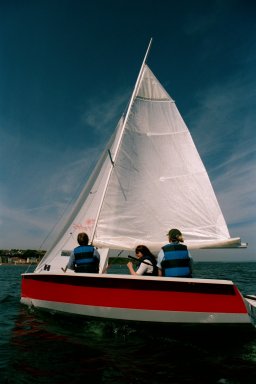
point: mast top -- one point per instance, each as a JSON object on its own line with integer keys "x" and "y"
{"x": 148, "y": 49}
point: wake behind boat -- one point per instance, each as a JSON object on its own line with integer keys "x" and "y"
{"x": 151, "y": 147}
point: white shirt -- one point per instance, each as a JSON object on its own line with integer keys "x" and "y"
{"x": 145, "y": 268}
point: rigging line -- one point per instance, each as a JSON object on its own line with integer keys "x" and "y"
{"x": 137, "y": 84}
{"x": 45, "y": 258}
{"x": 28, "y": 268}
{"x": 52, "y": 228}
{"x": 58, "y": 221}
{"x": 113, "y": 261}
{"x": 66, "y": 208}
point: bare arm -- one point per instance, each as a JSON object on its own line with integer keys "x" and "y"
{"x": 70, "y": 262}
{"x": 159, "y": 259}
{"x": 130, "y": 267}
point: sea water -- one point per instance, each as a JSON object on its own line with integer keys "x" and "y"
{"x": 45, "y": 348}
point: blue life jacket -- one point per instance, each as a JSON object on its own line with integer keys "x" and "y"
{"x": 150, "y": 258}
{"x": 176, "y": 261}
{"x": 84, "y": 259}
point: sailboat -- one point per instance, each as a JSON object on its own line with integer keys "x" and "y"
{"x": 149, "y": 179}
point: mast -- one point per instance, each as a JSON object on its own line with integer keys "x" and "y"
{"x": 137, "y": 84}
{"x": 113, "y": 157}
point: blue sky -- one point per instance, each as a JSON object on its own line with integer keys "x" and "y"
{"x": 67, "y": 69}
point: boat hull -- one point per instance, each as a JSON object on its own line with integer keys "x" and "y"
{"x": 135, "y": 298}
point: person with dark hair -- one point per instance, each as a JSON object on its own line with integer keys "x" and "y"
{"x": 146, "y": 260}
{"x": 174, "y": 259}
{"x": 84, "y": 258}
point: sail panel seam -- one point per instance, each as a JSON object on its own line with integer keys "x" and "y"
{"x": 154, "y": 99}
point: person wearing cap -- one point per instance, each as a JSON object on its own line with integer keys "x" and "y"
{"x": 174, "y": 259}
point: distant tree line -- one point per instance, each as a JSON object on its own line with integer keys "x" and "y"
{"x": 21, "y": 255}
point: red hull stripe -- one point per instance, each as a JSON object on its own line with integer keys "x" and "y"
{"x": 134, "y": 294}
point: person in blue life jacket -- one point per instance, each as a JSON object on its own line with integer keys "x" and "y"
{"x": 174, "y": 259}
{"x": 146, "y": 260}
{"x": 84, "y": 258}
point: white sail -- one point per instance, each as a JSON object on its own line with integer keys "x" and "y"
{"x": 149, "y": 179}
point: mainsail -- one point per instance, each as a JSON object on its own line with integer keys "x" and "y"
{"x": 150, "y": 178}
